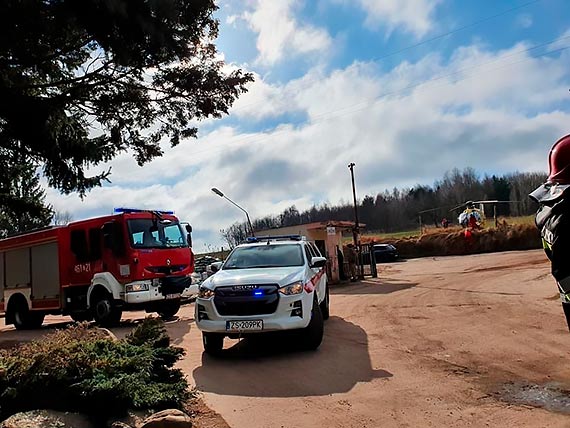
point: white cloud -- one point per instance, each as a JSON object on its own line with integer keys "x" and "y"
{"x": 413, "y": 16}
{"x": 494, "y": 111}
{"x": 279, "y": 33}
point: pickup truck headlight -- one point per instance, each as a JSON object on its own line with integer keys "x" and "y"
{"x": 205, "y": 293}
{"x": 131, "y": 288}
{"x": 295, "y": 288}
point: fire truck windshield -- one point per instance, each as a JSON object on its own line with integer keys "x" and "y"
{"x": 150, "y": 233}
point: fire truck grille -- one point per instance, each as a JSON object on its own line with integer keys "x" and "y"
{"x": 174, "y": 284}
{"x": 167, "y": 270}
{"x": 259, "y": 299}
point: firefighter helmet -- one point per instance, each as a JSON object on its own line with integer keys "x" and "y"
{"x": 559, "y": 161}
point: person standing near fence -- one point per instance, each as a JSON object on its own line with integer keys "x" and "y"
{"x": 553, "y": 218}
{"x": 351, "y": 258}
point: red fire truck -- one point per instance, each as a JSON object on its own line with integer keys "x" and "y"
{"x": 96, "y": 268}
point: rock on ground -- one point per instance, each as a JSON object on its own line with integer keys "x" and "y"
{"x": 170, "y": 418}
{"x": 47, "y": 419}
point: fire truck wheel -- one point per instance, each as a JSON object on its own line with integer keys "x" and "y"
{"x": 325, "y": 304}
{"x": 105, "y": 312}
{"x": 213, "y": 343}
{"x": 24, "y": 319}
{"x": 168, "y": 309}
{"x": 312, "y": 335}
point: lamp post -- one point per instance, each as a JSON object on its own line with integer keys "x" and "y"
{"x": 220, "y": 194}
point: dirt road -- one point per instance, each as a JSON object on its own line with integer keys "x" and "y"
{"x": 454, "y": 341}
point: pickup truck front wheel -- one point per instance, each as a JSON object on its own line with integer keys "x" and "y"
{"x": 312, "y": 335}
{"x": 213, "y": 343}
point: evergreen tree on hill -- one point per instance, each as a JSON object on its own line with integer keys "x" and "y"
{"x": 22, "y": 198}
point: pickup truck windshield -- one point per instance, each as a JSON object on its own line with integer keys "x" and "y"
{"x": 265, "y": 256}
{"x": 148, "y": 233}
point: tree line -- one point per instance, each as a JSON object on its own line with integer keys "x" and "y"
{"x": 401, "y": 209}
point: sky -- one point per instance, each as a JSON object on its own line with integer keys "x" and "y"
{"x": 405, "y": 89}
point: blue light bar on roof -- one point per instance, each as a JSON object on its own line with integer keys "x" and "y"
{"x": 136, "y": 210}
{"x": 255, "y": 239}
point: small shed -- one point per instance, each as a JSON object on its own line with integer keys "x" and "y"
{"x": 327, "y": 235}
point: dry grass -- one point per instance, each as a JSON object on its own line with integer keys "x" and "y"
{"x": 432, "y": 230}
{"x": 452, "y": 241}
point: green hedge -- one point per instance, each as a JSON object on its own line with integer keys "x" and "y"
{"x": 83, "y": 369}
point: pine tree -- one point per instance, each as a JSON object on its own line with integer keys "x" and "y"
{"x": 22, "y": 198}
{"x": 83, "y": 81}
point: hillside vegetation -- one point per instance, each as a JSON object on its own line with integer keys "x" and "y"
{"x": 453, "y": 241}
{"x": 405, "y": 209}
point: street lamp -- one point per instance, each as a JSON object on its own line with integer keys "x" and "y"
{"x": 221, "y": 195}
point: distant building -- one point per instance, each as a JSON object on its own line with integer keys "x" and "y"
{"x": 327, "y": 235}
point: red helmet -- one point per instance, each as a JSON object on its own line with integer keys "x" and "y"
{"x": 559, "y": 161}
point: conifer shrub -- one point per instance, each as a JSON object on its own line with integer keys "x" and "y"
{"x": 83, "y": 369}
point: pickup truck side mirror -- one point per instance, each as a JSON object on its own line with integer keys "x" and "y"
{"x": 214, "y": 267}
{"x": 317, "y": 262}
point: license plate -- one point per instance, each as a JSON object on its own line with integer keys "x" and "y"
{"x": 173, "y": 296}
{"x": 244, "y": 325}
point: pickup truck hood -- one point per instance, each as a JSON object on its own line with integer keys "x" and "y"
{"x": 281, "y": 276}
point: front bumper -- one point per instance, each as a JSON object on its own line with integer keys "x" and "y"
{"x": 281, "y": 319}
{"x": 164, "y": 289}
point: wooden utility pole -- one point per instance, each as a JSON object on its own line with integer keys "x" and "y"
{"x": 355, "y": 230}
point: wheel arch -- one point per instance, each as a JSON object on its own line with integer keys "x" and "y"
{"x": 104, "y": 283}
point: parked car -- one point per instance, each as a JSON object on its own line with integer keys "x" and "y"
{"x": 385, "y": 253}
{"x": 201, "y": 264}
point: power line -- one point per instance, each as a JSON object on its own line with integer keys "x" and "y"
{"x": 456, "y": 72}
{"x": 324, "y": 117}
{"x": 424, "y": 42}
{"x": 464, "y": 27}
{"x": 384, "y": 97}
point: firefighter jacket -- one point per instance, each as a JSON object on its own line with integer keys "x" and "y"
{"x": 553, "y": 221}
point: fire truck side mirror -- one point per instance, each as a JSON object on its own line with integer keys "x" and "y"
{"x": 113, "y": 238}
{"x": 108, "y": 229}
{"x": 189, "y": 235}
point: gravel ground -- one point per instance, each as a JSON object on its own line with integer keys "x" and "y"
{"x": 448, "y": 341}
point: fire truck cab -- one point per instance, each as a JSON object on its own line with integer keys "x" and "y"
{"x": 96, "y": 268}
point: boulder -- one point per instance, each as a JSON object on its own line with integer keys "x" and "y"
{"x": 108, "y": 333}
{"x": 171, "y": 418}
{"x": 47, "y": 419}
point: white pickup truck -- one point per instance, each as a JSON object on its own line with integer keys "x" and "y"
{"x": 267, "y": 284}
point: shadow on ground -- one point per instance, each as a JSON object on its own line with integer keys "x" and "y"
{"x": 372, "y": 286}
{"x": 273, "y": 366}
{"x": 177, "y": 328}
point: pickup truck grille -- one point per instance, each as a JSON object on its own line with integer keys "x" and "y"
{"x": 258, "y": 299}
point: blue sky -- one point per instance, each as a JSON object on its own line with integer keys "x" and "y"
{"x": 362, "y": 81}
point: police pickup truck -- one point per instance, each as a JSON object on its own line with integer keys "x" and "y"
{"x": 267, "y": 284}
